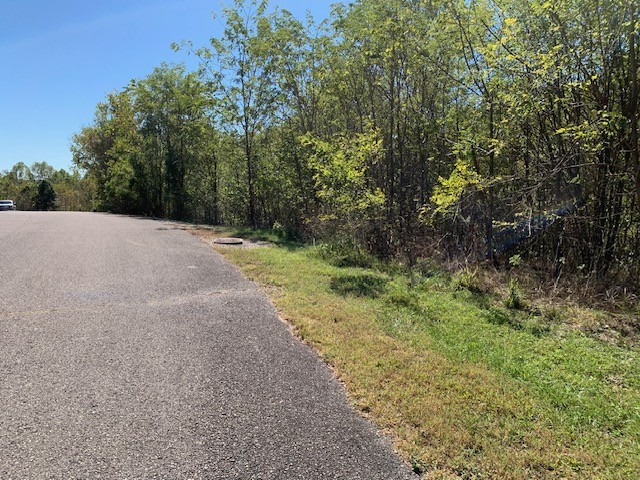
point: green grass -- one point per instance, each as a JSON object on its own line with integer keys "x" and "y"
{"x": 466, "y": 386}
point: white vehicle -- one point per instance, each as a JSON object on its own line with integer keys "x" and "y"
{"x": 7, "y": 205}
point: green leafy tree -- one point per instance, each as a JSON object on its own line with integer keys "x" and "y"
{"x": 45, "y": 196}
{"x": 240, "y": 64}
{"x": 341, "y": 169}
{"x": 461, "y": 128}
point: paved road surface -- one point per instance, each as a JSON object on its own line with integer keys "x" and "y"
{"x": 130, "y": 350}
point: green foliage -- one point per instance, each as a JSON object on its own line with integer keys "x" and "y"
{"x": 515, "y": 260}
{"x": 22, "y": 184}
{"x": 341, "y": 168}
{"x": 45, "y": 196}
{"x": 464, "y": 130}
{"x": 514, "y": 298}
{"x": 117, "y": 188}
{"x": 147, "y": 146}
{"x": 450, "y": 190}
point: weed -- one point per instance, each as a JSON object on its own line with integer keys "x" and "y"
{"x": 536, "y": 325}
{"x": 418, "y": 466}
{"x": 552, "y": 315}
{"x": 404, "y": 298}
{"x": 468, "y": 279}
{"x": 515, "y": 260}
{"x": 279, "y": 229}
{"x": 427, "y": 268}
{"x": 514, "y": 298}
{"x": 500, "y": 317}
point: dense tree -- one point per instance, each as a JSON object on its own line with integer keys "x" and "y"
{"x": 45, "y": 196}
{"x": 240, "y": 65}
{"x": 466, "y": 129}
{"x": 146, "y": 144}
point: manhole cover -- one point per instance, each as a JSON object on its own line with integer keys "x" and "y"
{"x": 228, "y": 241}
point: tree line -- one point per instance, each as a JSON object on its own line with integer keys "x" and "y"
{"x": 462, "y": 129}
{"x": 42, "y": 187}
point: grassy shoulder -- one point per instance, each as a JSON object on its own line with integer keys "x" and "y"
{"x": 466, "y": 386}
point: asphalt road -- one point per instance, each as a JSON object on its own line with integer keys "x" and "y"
{"x": 130, "y": 350}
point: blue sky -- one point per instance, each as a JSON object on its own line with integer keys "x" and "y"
{"x": 59, "y": 59}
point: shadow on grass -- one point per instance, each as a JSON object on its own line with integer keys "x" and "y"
{"x": 522, "y": 321}
{"x": 362, "y": 285}
{"x": 500, "y": 317}
{"x": 478, "y": 298}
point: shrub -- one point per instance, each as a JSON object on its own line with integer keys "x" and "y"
{"x": 514, "y": 298}
{"x": 467, "y": 278}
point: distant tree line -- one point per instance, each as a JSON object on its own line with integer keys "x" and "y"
{"x": 42, "y": 187}
{"x": 463, "y": 129}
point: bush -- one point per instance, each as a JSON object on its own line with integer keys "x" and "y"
{"x": 467, "y": 278}
{"x": 514, "y": 298}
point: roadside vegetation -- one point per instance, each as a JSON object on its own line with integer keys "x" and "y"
{"x": 454, "y": 130}
{"x": 471, "y": 381}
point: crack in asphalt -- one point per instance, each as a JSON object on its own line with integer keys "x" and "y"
{"x": 177, "y": 300}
